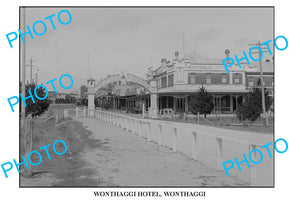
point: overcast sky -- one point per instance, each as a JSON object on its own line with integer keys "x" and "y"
{"x": 129, "y": 40}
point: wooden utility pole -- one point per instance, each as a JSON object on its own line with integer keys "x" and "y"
{"x": 36, "y": 76}
{"x": 31, "y": 66}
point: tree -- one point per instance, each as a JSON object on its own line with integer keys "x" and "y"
{"x": 84, "y": 102}
{"x": 202, "y": 102}
{"x": 68, "y": 99}
{"x": 251, "y": 109}
{"x": 105, "y": 104}
{"x": 40, "y": 106}
{"x": 97, "y": 102}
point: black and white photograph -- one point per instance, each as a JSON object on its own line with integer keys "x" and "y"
{"x": 146, "y": 96}
{"x": 149, "y": 106}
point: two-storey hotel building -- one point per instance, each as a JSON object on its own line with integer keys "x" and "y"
{"x": 179, "y": 79}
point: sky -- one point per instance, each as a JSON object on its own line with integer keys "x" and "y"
{"x": 103, "y": 41}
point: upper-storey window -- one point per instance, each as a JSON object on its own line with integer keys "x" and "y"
{"x": 170, "y": 80}
{"x": 236, "y": 78}
{"x": 180, "y": 75}
{"x": 158, "y": 83}
{"x": 224, "y": 79}
{"x": 250, "y": 81}
{"x": 192, "y": 78}
{"x": 163, "y": 81}
{"x": 208, "y": 79}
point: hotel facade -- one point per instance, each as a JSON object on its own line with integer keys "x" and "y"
{"x": 177, "y": 80}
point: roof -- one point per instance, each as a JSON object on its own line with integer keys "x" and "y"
{"x": 196, "y": 58}
{"x": 266, "y": 66}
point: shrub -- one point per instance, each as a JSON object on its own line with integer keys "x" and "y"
{"x": 201, "y": 102}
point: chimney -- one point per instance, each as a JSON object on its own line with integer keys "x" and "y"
{"x": 176, "y": 56}
{"x": 227, "y": 55}
{"x": 163, "y": 63}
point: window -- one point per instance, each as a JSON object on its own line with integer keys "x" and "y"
{"x": 170, "y": 80}
{"x": 192, "y": 78}
{"x": 164, "y": 81}
{"x": 180, "y": 75}
{"x": 158, "y": 83}
{"x": 208, "y": 79}
{"x": 236, "y": 78}
{"x": 224, "y": 79}
{"x": 198, "y": 78}
{"x": 250, "y": 82}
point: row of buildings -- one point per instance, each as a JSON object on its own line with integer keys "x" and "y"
{"x": 60, "y": 95}
{"x": 178, "y": 79}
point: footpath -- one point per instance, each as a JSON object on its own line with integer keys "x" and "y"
{"x": 100, "y": 154}
{"x": 119, "y": 158}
